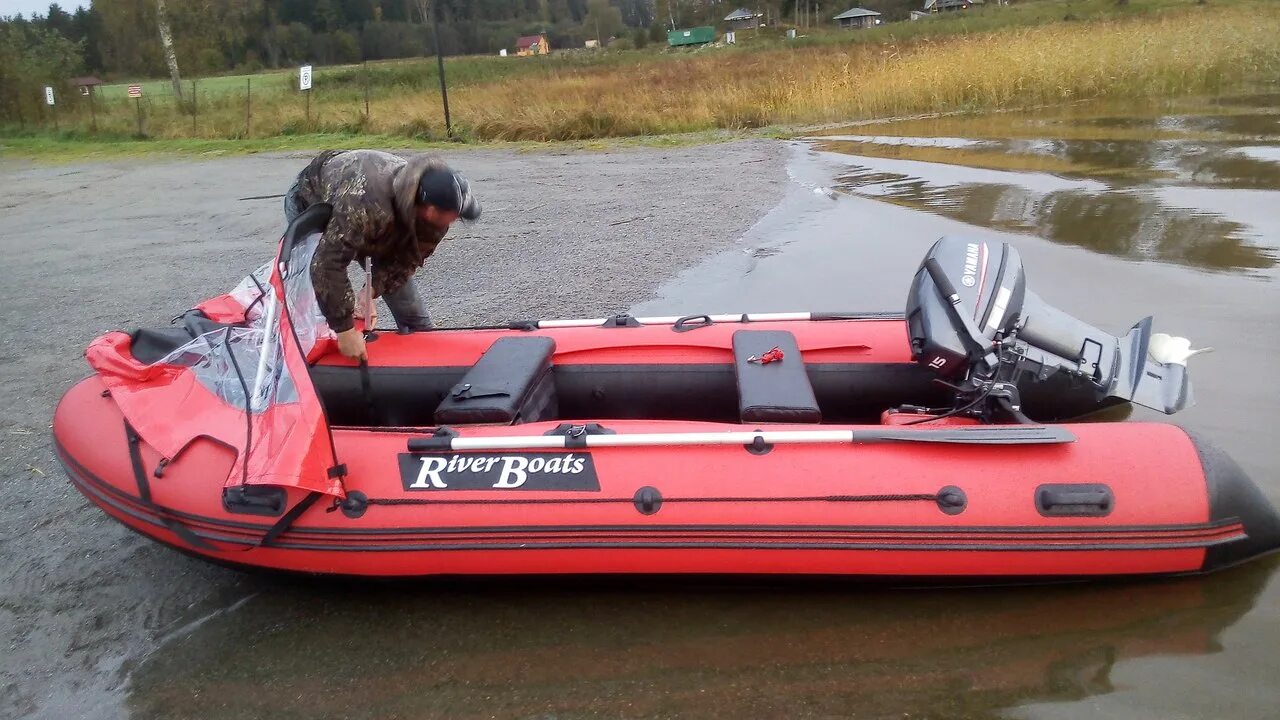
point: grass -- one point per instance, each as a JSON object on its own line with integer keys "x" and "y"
{"x": 998, "y": 57}
{"x": 212, "y": 86}
{"x": 75, "y": 146}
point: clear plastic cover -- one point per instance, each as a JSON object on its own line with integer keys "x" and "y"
{"x": 304, "y": 309}
{"x": 248, "y": 361}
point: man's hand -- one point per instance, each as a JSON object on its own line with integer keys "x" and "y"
{"x": 351, "y": 344}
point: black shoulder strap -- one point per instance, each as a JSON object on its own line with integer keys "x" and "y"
{"x": 144, "y": 493}
{"x": 287, "y": 519}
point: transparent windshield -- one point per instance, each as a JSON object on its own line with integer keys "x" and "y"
{"x": 247, "y": 361}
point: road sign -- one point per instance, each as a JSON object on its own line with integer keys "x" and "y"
{"x": 304, "y": 78}
{"x": 135, "y": 91}
{"x": 48, "y": 95}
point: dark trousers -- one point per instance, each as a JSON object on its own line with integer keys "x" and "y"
{"x": 405, "y": 303}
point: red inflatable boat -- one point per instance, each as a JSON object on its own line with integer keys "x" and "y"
{"x": 936, "y": 445}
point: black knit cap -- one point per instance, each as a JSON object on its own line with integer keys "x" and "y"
{"x": 448, "y": 190}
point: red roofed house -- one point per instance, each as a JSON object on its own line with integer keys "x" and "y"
{"x": 533, "y": 45}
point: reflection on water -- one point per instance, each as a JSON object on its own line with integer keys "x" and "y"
{"x": 1126, "y": 164}
{"x": 1133, "y": 224}
{"x": 432, "y": 651}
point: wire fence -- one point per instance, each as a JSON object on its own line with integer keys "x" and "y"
{"x": 261, "y": 105}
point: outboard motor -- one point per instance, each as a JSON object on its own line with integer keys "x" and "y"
{"x": 972, "y": 320}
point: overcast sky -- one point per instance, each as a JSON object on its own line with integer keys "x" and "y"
{"x": 26, "y": 7}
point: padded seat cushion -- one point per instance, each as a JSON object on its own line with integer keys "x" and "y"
{"x": 778, "y": 391}
{"x": 510, "y": 383}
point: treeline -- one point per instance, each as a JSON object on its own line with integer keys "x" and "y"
{"x": 119, "y": 39}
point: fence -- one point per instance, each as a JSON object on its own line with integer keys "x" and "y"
{"x": 226, "y": 107}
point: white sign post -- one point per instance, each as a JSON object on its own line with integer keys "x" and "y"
{"x": 304, "y": 84}
{"x": 135, "y": 92}
{"x": 48, "y": 99}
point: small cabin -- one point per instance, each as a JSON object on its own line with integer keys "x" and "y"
{"x": 533, "y": 45}
{"x": 857, "y": 18}
{"x": 743, "y": 19}
{"x": 86, "y": 84}
{"x": 936, "y": 6}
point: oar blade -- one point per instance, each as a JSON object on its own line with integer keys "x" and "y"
{"x": 987, "y": 435}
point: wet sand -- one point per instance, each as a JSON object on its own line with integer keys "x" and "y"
{"x": 96, "y": 247}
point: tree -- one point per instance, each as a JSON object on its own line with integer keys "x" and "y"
{"x": 86, "y": 27}
{"x": 58, "y": 21}
{"x": 602, "y": 20}
{"x": 294, "y": 41}
{"x": 637, "y": 13}
{"x": 423, "y": 8}
{"x": 31, "y": 57}
{"x": 166, "y": 40}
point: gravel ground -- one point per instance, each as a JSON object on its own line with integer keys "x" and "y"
{"x": 95, "y": 247}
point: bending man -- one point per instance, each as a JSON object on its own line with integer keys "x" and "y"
{"x": 386, "y": 208}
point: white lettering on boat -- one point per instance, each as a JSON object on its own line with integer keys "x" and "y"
{"x": 431, "y": 467}
{"x": 477, "y": 471}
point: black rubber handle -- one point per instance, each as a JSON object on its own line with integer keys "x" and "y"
{"x": 979, "y": 348}
{"x": 1074, "y": 500}
{"x": 685, "y": 324}
{"x": 940, "y": 278}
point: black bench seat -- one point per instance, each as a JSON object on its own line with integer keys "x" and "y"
{"x": 510, "y": 383}
{"x": 777, "y": 392}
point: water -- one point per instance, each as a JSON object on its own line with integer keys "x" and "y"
{"x": 1118, "y": 213}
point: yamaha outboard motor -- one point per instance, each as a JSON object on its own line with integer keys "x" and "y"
{"x": 973, "y": 321}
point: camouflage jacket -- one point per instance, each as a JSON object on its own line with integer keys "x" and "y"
{"x": 373, "y": 195}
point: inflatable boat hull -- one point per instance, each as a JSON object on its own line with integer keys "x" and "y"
{"x": 1122, "y": 499}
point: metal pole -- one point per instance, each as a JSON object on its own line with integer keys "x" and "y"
{"x": 248, "y": 105}
{"x": 366, "y": 90}
{"x": 195, "y": 107}
{"x": 444, "y": 92}
{"x": 266, "y": 352}
{"x": 308, "y": 93}
{"x": 93, "y": 111}
{"x": 990, "y": 435}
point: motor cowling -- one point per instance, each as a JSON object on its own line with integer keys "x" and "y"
{"x": 970, "y": 317}
{"x": 989, "y": 285}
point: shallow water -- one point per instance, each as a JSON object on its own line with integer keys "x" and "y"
{"x": 1182, "y": 223}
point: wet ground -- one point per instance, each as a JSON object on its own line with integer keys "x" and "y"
{"x": 1118, "y": 212}
{"x": 98, "y": 246}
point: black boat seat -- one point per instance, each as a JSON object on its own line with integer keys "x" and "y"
{"x": 510, "y": 383}
{"x": 778, "y": 391}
